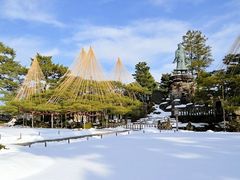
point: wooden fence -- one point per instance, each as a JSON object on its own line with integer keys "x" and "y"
{"x": 68, "y": 139}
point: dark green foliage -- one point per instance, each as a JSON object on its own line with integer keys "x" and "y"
{"x": 234, "y": 125}
{"x": 138, "y": 92}
{"x": 232, "y": 79}
{"x": 52, "y": 72}
{"x": 224, "y": 85}
{"x": 143, "y": 76}
{"x": 208, "y": 87}
{"x": 190, "y": 127}
{"x": 165, "y": 85}
{"x": 2, "y": 147}
{"x": 11, "y": 72}
{"x": 197, "y": 52}
{"x": 136, "y": 113}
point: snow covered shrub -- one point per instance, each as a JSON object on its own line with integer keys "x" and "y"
{"x": 2, "y": 147}
{"x": 190, "y": 127}
{"x": 166, "y": 125}
{"x": 234, "y": 125}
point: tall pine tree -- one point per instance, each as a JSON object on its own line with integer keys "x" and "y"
{"x": 197, "y": 52}
{"x": 143, "y": 76}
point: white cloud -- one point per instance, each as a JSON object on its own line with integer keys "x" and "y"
{"x": 27, "y": 47}
{"x": 147, "y": 40}
{"x": 169, "y": 5}
{"x": 221, "y": 42}
{"x": 51, "y": 52}
{"x": 28, "y": 10}
{"x": 168, "y": 2}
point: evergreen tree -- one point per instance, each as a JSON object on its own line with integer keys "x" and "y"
{"x": 143, "y": 76}
{"x": 209, "y": 87}
{"x": 232, "y": 89}
{"x": 165, "y": 84}
{"x": 11, "y": 72}
{"x": 197, "y": 52}
{"x": 232, "y": 79}
{"x": 52, "y": 72}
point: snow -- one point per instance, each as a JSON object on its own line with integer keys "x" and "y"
{"x": 158, "y": 113}
{"x": 169, "y": 107}
{"x": 149, "y": 155}
{"x": 173, "y": 122}
{"x": 176, "y": 106}
{"x": 163, "y": 103}
{"x": 11, "y": 122}
{"x": 176, "y": 100}
{"x": 180, "y": 106}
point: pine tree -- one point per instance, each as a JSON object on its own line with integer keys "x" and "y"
{"x": 11, "y": 72}
{"x": 232, "y": 79}
{"x": 52, "y": 72}
{"x": 197, "y": 52}
{"x": 143, "y": 76}
{"x": 165, "y": 84}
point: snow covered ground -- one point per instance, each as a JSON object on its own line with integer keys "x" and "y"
{"x": 159, "y": 113}
{"x": 11, "y": 135}
{"x": 139, "y": 156}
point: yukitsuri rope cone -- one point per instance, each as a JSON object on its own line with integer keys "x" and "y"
{"x": 121, "y": 74}
{"x": 235, "y": 48}
{"x": 33, "y": 84}
{"x": 84, "y": 86}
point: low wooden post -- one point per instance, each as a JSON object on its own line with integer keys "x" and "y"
{"x": 23, "y": 119}
{"x": 32, "y": 119}
{"x": 68, "y": 141}
{"x": 20, "y": 136}
{"x": 45, "y": 143}
{"x": 101, "y": 136}
{"x": 51, "y": 120}
{"x": 61, "y": 120}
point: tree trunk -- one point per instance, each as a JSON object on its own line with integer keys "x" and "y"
{"x": 51, "y": 120}
{"x": 32, "y": 119}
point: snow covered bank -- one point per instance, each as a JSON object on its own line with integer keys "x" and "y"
{"x": 142, "y": 156}
{"x": 21, "y": 135}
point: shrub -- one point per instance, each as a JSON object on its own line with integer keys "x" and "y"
{"x": 234, "y": 125}
{"x": 190, "y": 127}
{"x": 166, "y": 125}
{"x": 88, "y": 125}
{"x": 2, "y": 147}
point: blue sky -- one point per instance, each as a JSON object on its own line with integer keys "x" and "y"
{"x": 135, "y": 30}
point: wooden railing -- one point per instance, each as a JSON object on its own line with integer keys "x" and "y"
{"x": 68, "y": 139}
